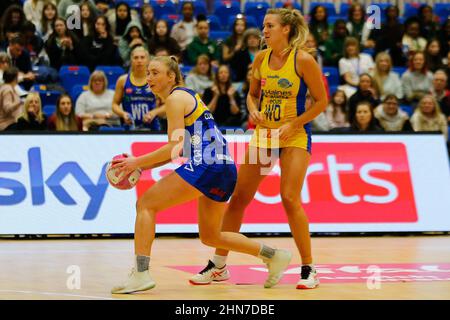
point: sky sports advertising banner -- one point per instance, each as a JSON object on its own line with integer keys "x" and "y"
{"x": 55, "y": 184}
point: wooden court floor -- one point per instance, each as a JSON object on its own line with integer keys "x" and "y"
{"x": 45, "y": 269}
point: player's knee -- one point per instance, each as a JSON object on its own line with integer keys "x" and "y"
{"x": 290, "y": 199}
{"x": 210, "y": 239}
{"x": 143, "y": 205}
{"x": 240, "y": 199}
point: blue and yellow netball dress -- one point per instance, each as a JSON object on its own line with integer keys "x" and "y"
{"x": 209, "y": 168}
{"x": 137, "y": 101}
{"x": 283, "y": 97}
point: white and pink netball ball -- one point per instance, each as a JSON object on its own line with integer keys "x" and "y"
{"x": 120, "y": 180}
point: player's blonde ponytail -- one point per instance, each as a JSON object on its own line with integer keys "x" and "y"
{"x": 299, "y": 27}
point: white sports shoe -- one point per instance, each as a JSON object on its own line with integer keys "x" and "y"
{"x": 276, "y": 265}
{"x": 308, "y": 278}
{"x": 137, "y": 281}
{"x": 209, "y": 274}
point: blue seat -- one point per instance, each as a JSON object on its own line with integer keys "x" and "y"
{"x": 214, "y": 23}
{"x": 185, "y": 70}
{"x": 251, "y": 22}
{"x": 112, "y": 73}
{"x": 219, "y": 36}
{"x": 441, "y": 9}
{"x": 369, "y": 51}
{"x": 411, "y": 9}
{"x": 77, "y": 91}
{"x": 407, "y": 108}
{"x": 162, "y": 7}
{"x": 399, "y": 70}
{"x": 171, "y": 19}
{"x": 329, "y": 7}
{"x": 111, "y": 129}
{"x": 73, "y": 75}
{"x": 47, "y": 96}
{"x": 343, "y": 10}
{"x": 332, "y": 89}
{"x": 280, "y": 4}
{"x": 332, "y": 75}
{"x": 49, "y": 109}
{"x": 134, "y": 4}
{"x": 257, "y": 10}
{"x": 199, "y": 6}
{"x": 225, "y": 9}
{"x": 383, "y": 6}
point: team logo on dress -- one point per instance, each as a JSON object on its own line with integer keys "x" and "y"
{"x": 284, "y": 83}
{"x": 129, "y": 91}
{"x": 263, "y": 82}
{"x": 196, "y": 140}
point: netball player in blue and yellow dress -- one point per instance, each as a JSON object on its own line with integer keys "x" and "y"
{"x": 281, "y": 77}
{"x": 209, "y": 175}
{"x": 133, "y": 100}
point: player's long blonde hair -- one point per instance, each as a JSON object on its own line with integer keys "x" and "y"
{"x": 172, "y": 65}
{"x": 299, "y": 27}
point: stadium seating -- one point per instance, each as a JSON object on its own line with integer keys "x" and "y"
{"x": 214, "y": 23}
{"x": 225, "y": 9}
{"x": 112, "y": 73}
{"x": 331, "y": 10}
{"x": 411, "y": 9}
{"x": 73, "y": 75}
{"x": 47, "y": 96}
{"x": 77, "y": 91}
{"x": 298, "y": 6}
{"x": 111, "y": 129}
{"x": 49, "y": 109}
{"x": 332, "y": 75}
{"x": 257, "y": 10}
{"x": 171, "y": 19}
{"x": 134, "y": 4}
{"x": 407, "y": 108}
{"x": 219, "y": 36}
{"x": 251, "y": 23}
{"x": 399, "y": 70}
{"x": 162, "y": 7}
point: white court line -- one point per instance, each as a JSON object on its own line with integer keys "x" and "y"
{"x": 55, "y": 294}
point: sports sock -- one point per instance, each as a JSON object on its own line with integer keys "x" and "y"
{"x": 266, "y": 252}
{"x": 142, "y": 263}
{"x": 219, "y": 261}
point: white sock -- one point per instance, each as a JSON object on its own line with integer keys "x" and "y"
{"x": 219, "y": 261}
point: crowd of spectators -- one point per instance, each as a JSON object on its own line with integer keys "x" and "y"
{"x": 394, "y": 78}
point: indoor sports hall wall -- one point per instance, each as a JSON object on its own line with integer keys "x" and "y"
{"x": 55, "y": 184}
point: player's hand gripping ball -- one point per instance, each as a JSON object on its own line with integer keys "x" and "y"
{"x": 118, "y": 178}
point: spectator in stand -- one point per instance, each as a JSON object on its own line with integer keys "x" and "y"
{"x": 64, "y": 5}
{"x": 364, "y": 120}
{"x": 356, "y": 25}
{"x": 387, "y": 82}
{"x": 64, "y": 119}
{"x": 10, "y": 104}
{"x": 447, "y": 70}
{"x": 389, "y": 37}
{"x": 336, "y": 111}
{"x": 33, "y": 43}
{"x": 5, "y": 63}
{"x": 103, "y": 6}
{"x": 318, "y": 25}
{"x": 20, "y": 58}
{"x": 444, "y": 38}
{"x": 32, "y": 119}
{"x": 366, "y": 92}
{"x": 88, "y": 16}
{"x": 49, "y": 15}
{"x": 245, "y": 57}
{"x": 223, "y": 100}
{"x": 391, "y": 117}
{"x": 412, "y": 41}
{"x": 63, "y": 47}
{"x": 334, "y": 46}
{"x": 12, "y": 22}
{"x": 184, "y": 31}
{"x": 428, "y": 116}
{"x": 235, "y": 42}
{"x": 201, "y": 76}
{"x": 353, "y": 64}
{"x": 433, "y": 57}
{"x": 5, "y": 4}
{"x": 120, "y": 20}
{"x": 132, "y": 38}
{"x": 429, "y": 23}
{"x": 94, "y": 106}
{"x": 162, "y": 39}
{"x": 33, "y": 11}
{"x": 441, "y": 93}
{"x": 100, "y": 49}
{"x": 417, "y": 80}
{"x": 202, "y": 44}
{"x": 148, "y": 21}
